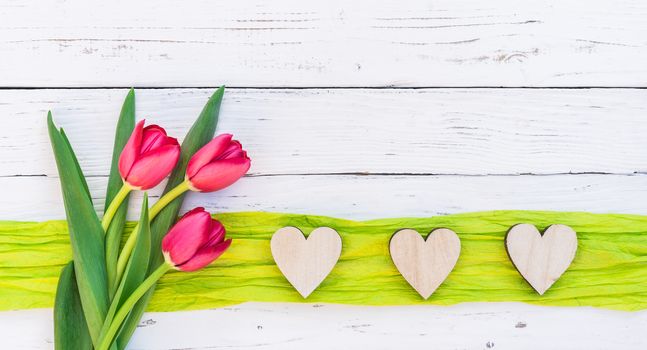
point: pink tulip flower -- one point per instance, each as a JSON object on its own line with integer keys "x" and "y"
{"x": 194, "y": 241}
{"x": 148, "y": 157}
{"x": 218, "y": 164}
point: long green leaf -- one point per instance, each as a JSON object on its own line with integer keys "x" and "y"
{"x": 125, "y": 127}
{"x": 136, "y": 268}
{"x": 76, "y": 165}
{"x": 200, "y": 134}
{"x": 86, "y": 234}
{"x": 70, "y": 328}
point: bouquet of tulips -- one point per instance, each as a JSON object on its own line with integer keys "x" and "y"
{"x": 103, "y": 292}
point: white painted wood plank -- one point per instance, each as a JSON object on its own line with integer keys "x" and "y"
{"x": 329, "y": 43}
{"x": 362, "y": 197}
{"x": 361, "y": 43}
{"x": 315, "y": 326}
{"x": 421, "y": 131}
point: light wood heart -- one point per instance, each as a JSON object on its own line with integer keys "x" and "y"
{"x": 425, "y": 264}
{"x": 305, "y": 263}
{"x": 541, "y": 260}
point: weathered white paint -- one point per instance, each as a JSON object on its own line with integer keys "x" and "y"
{"x": 479, "y": 140}
{"x": 323, "y": 43}
{"x": 317, "y": 141}
{"x": 361, "y": 197}
{"x": 334, "y": 327}
{"x": 322, "y": 131}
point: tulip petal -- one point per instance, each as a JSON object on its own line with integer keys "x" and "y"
{"x": 193, "y": 211}
{"x": 207, "y": 153}
{"x": 153, "y": 137}
{"x": 217, "y": 233}
{"x": 235, "y": 150}
{"x": 205, "y": 256}
{"x": 220, "y": 174}
{"x": 131, "y": 150}
{"x": 187, "y": 236}
{"x": 155, "y": 128}
{"x": 149, "y": 170}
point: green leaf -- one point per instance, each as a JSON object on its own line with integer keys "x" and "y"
{"x": 86, "y": 234}
{"x": 76, "y": 164}
{"x": 136, "y": 269}
{"x": 70, "y": 328}
{"x": 125, "y": 127}
{"x": 200, "y": 134}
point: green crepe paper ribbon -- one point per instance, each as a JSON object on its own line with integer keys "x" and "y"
{"x": 609, "y": 270}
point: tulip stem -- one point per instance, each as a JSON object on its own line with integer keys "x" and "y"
{"x": 155, "y": 209}
{"x": 126, "y": 307}
{"x": 168, "y": 198}
{"x": 114, "y": 206}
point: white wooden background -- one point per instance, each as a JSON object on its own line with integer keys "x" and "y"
{"x": 355, "y": 109}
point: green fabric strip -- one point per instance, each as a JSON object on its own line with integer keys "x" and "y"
{"x": 609, "y": 270}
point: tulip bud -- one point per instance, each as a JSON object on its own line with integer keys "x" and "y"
{"x": 194, "y": 241}
{"x": 218, "y": 164}
{"x": 148, "y": 157}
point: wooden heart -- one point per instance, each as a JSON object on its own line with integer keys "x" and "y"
{"x": 425, "y": 264}
{"x": 541, "y": 260}
{"x": 305, "y": 263}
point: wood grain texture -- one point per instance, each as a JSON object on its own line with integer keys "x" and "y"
{"x": 425, "y": 263}
{"x": 332, "y": 43}
{"x": 306, "y": 261}
{"x": 541, "y": 258}
{"x": 421, "y": 131}
{"x": 507, "y": 326}
{"x": 463, "y": 134}
{"x": 361, "y": 197}
{"x": 479, "y": 141}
